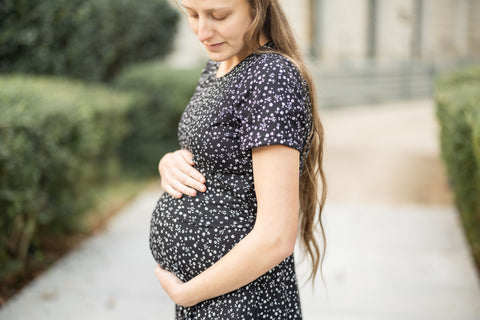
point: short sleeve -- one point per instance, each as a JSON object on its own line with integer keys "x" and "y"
{"x": 277, "y": 108}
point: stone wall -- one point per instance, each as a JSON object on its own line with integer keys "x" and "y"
{"x": 443, "y": 36}
{"x": 433, "y": 31}
{"x": 345, "y": 32}
{"x": 395, "y": 30}
{"x": 474, "y": 27}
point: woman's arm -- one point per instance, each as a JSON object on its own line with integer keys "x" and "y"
{"x": 276, "y": 176}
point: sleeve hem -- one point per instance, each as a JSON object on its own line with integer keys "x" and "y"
{"x": 257, "y": 144}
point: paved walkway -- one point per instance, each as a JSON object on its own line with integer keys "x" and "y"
{"x": 386, "y": 260}
{"x": 385, "y": 154}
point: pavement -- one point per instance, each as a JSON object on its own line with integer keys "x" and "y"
{"x": 395, "y": 245}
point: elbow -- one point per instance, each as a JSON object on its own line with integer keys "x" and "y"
{"x": 277, "y": 242}
{"x": 274, "y": 247}
{"x": 283, "y": 247}
{"x": 287, "y": 248}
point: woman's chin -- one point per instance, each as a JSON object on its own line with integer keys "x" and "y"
{"x": 216, "y": 57}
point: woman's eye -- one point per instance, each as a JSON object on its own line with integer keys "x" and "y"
{"x": 192, "y": 14}
{"x": 219, "y": 18}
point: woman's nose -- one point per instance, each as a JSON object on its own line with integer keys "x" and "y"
{"x": 205, "y": 30}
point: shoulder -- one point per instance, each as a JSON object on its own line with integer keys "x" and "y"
{"x": 272, "y": 80}
{"x": 275, "y": 69}
{"x": 272, "y": 61}
{"x": 274, "y": 73}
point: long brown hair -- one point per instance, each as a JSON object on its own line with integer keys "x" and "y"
{"x": 270, "y": 20}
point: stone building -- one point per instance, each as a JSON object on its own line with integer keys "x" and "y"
{"x": 375, "y": 50}
{"x": 385, "y": 31}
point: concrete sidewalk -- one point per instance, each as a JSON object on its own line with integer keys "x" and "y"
{"x": 382, "y": 263}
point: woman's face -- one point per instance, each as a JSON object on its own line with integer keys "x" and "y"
{"x": 220, "y": 25}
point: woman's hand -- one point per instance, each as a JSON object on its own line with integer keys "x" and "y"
{"x": 174, "y": 287}
{"x": 179, "y": 176}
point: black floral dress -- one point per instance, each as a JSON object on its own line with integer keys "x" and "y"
{"x": 262, "y": 101}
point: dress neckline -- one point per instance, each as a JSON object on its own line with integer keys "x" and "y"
{"x": 231, "y": 71}
{"x": 238, "y": 65}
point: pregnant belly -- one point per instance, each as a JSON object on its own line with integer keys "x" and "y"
{"x": 185, "y": 241}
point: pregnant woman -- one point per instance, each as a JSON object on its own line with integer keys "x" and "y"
{"x": 244, "y": 182}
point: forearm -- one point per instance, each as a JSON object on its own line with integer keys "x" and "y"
{"x": 253, "y": 256}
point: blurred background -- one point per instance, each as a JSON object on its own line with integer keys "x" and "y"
{"x": 91, "y": 92}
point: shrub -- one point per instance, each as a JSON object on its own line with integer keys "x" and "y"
{"x": 56, "y": 138}
{"x": 87, "y": 39}
{"x": 458, "y": 111}
{"x": 165, "y": 91}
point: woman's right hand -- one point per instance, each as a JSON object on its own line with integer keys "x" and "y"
{"x": 178, "y": 176}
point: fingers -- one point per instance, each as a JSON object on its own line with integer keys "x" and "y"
{"x": 187, "y": 156}
{"x": 184, "y": 177}
{"x": 161, "y": 274}
{"x": 174, "y": 193}
{"x": 190, "y": 170}
{"x": 179, "y": 176}
{"x": 158, "y": 271}
{"x": 174, "y": 287}
{"x": 164, "y": 278}
{"x": 186, "y": 173}
{"x": 180, "y": 185}
{"x": 186, "y": 180}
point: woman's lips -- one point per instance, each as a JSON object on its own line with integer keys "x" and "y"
{"x": 214, "y": 46}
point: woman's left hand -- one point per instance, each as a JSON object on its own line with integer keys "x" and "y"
{"x": 174, "y": 287}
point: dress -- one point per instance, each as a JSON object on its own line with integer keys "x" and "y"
{"x": 262, "y": 101}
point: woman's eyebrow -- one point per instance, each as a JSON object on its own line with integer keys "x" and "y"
{"x": 207, "y": 10}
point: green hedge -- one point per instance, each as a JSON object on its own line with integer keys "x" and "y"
{"x": 60, "y": 138}
{"x": 164, "y": 93}
{"x": 458, "y": 110}
{"x": 87, "y": 39}
{"x": 57, "y": 137}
